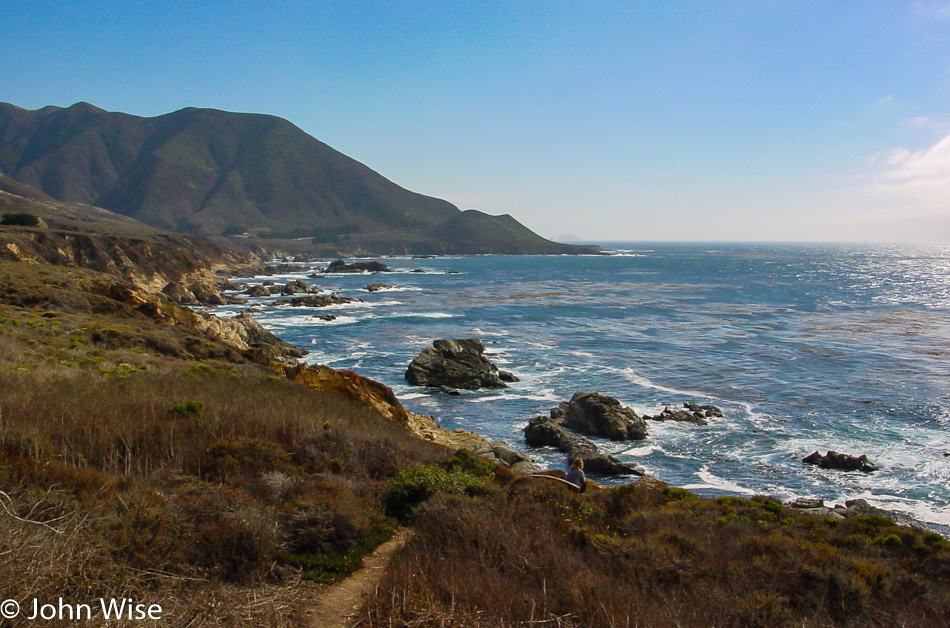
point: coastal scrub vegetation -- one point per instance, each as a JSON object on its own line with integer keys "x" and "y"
{"x": 533, "y": 553}
{"x": 147, "y": 460}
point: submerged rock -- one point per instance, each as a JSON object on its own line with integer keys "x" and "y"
{"x": 456, "y": 363}
{"x": 321, "y": 300}
{"x": 376, "y": 287}
{"x": 691, "y": 412}
{"x": 842, "y": 462}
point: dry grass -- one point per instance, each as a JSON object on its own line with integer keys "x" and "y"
{"x": 140, "y": 460}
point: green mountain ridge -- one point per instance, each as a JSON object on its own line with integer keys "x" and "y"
{"x": 205, "y": 171}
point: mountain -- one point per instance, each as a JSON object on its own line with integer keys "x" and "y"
{"x": 202, "y": 170}
{"x": 211, "y": 172}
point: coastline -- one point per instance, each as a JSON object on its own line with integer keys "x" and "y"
{"x": 431, "y": 430}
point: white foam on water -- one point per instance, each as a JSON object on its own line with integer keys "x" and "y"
{"x": 633, "y": 377}
{"x": 582, "y": 354}
{"x": 714, "y": 482}
{"x": 491, "y": 398}
{"x": 397, "y": 289}
{"x": 412, "y": 395}
{"x": 339, "y": 320}
{"x": 479, "y": 332}
{"x": 917, "y": 509}
{"x": 283, "y": 322}
{"x": 423, "y": 315}
{"x": 644, "y": 450}
{"x": 546, "y": 394}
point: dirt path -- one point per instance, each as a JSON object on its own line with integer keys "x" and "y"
{"x": 337, "y": 605}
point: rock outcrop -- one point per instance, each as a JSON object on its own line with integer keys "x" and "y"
{"x": 324, "y": 379}
{"x": 427, "y": 428}
{"x": 454, "y": 364}
{"x": 842, "y": 462}
{"x": 599, "y": 415}
{"x": 545, "y": 431}
{"x": 339, "y": 266}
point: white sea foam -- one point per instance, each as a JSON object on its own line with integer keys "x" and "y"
{"x": 714, "y": 482}
{"x": 582, "y": 354}
{"x": 490, "y": 398}
{"x": 539, "y": 344}
{"x": 422, "y": 315}
{"x": 919, "y": 510}
{"x": 633, "y": 377}
{"x": 339, "y": 320}
{"x": 411, "y": 395}
{"x": 644, "y": 450}
{"x": 396, "y": 289}
{"x": 546, "y": 394}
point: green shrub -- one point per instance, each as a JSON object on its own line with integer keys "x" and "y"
{"x": 232, "y": 230}
{"x": 189, "y": 410}
{"x": 674, "y": 493}
{"x": 414, "y": 485}
{"x": 19, "y": 219}
{"x": 464, "y": 460}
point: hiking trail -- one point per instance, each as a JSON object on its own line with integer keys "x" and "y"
{"x": 338, "y": 604}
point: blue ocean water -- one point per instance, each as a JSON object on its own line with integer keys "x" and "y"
{"x": 804, "y": 347}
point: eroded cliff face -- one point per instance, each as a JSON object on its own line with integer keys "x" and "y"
{"x": 324, "y": 379}
{"x": 150, "y": 262}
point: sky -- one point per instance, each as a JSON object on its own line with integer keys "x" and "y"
{"x": 683, "y": 120}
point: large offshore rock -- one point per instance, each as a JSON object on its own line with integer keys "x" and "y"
{"x": 339, "y": 266}
{"x": 454, "y": 364}
{"x": 599, "y": 415}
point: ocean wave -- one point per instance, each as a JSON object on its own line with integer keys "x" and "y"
{"x": 643, "y": 450}
{"x": 411, "y": 395}
{"x": 714, "y": 482}
{"x": 396, "y": 289}
{"x": 339, "y": 320}
{"x": 632, "y": 376}
{"x": 422, "y": 315}
{"x": 490, "y": 398}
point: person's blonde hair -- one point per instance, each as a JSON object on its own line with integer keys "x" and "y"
{"x": 578, "y": 463}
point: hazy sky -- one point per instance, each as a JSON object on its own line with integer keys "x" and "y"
{"x": 755, "y": 120}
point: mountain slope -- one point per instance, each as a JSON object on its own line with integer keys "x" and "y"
{"x": 477, "y": 232}
{"x": 202, "y": 170}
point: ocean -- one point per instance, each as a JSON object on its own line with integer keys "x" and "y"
{"x": 803, "y": 347}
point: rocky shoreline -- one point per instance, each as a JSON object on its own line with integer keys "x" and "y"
{"x": 452, "y": 364}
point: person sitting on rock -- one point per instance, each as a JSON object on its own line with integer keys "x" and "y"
{"x": 576, "y": 475}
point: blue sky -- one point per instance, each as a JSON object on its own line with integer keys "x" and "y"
{"x": 756, "y": 120}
